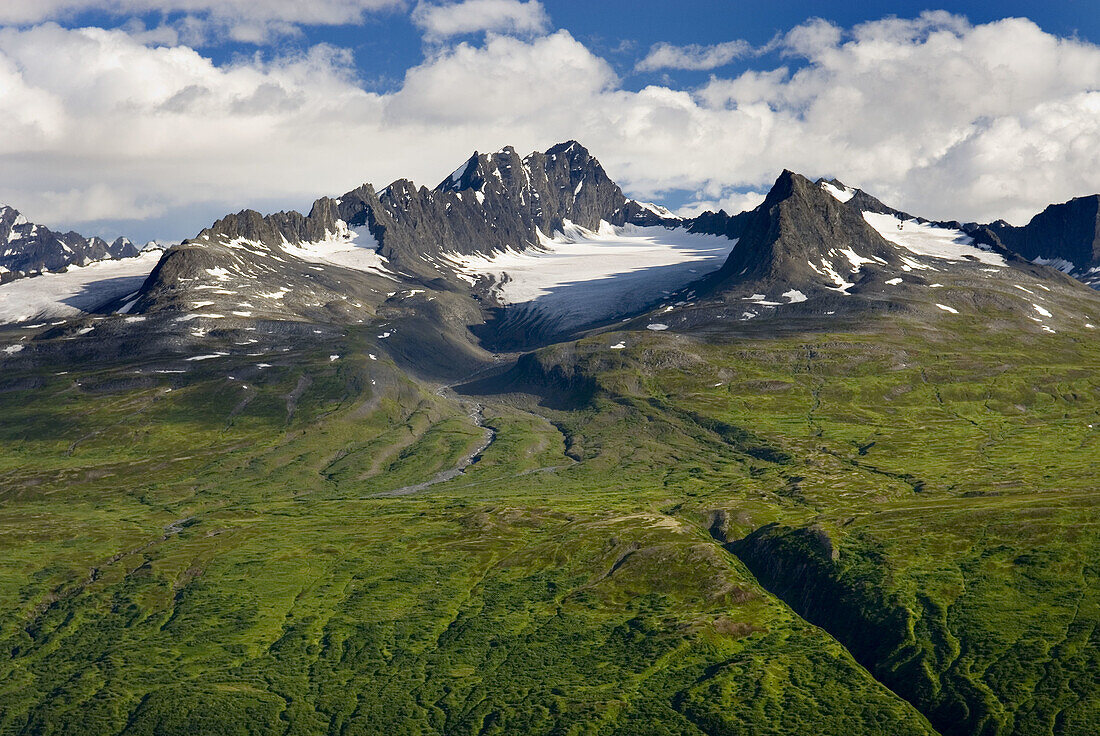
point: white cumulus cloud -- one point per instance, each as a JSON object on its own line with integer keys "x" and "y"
{"x": 315, "y": 12}
{"x": 934, "y": 115}
{"x": 504, "y": 83}
{"x": 442, "y": 21}
{"x": 693, "y": 56}
{"x": 732, "y": 203}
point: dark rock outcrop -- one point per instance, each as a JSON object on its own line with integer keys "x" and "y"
{"x": 492, "y": 203}
{"x": 720, "y": 223}
{"x": 277, "y": 229}
{"x": 797, "y": 239}
{"x": 1067, "y": 234}
{"x": 27, "y": 249}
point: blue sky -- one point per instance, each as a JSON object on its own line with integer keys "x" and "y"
{"x": 151, "y": 118}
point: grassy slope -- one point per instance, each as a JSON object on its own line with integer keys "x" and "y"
{"x": 180, "y": 559}
{"x": 957, "y": 484}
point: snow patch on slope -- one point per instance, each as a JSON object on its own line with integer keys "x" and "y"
{"x": 76, "y": 291}
{"x": 1059, "y": 263}
{"x": 581, "y": 276}
{"x": 842, "y": 194}
{"x": 354, "y": 248}
{"x": 927, "y": 240}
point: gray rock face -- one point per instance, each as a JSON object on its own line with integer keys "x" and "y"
{"x": 645, "y": 215}
{"x": 1068, "y": 232}
{"x": 790, "y": 238}
{"x": 28, "y": 249}
{"x": 493, "y": 202}
{"x": 720, "y": 223}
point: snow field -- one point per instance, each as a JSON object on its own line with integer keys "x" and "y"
{"x": 581, "y": 276}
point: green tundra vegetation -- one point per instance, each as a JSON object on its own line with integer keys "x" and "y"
{"x": 869, "y": 532}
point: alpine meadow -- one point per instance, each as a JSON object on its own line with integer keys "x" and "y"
{"x": 810, "y": 448}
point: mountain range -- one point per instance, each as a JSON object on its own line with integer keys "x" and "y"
{"x": 31, "y": 249}
{"x": 518, "y": 454}
{"x": 809, "y": 245}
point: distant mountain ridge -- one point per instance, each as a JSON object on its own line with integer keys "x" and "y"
{"x": 1065, "y": 236}
{"x": 27, "y": 248}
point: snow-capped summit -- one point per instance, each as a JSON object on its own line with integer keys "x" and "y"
{"x": 491, "y": 203}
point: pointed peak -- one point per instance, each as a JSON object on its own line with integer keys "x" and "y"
{"x": 793, "y": 179}
{"x": 570, "y": 148}
{"x": 468, "y": 164}
{"x": 323, "y": 206}
{"x": 787, "y": 184}
{"x": 800, "y": 238}
{"x": 462, "y": 177}
{"x": 399, "y": 186}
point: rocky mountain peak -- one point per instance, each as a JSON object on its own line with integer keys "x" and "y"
{"x": 572, "y": 149}
{"x": 805, "y": 237}
{"x": 466, "y": 176}
{"x": 1066, "y": 235}
{"x": 10, "y": 218}
{"x": 494, "y": 202}
{"x": 28, "y": 249}
{"x": 491, "y": 203}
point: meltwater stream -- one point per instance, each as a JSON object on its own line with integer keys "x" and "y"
{"x": 488, "y": 435}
